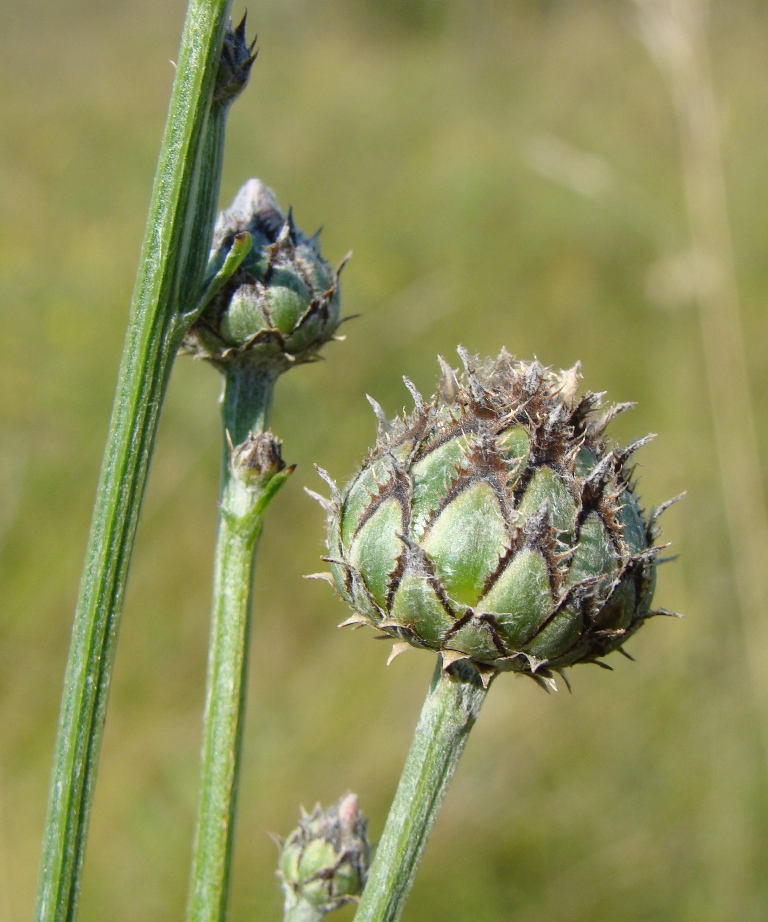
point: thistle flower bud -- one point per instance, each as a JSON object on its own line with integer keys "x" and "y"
{"x": 324, "y": 861}
{"x": 495, "y": 524}
{"x": 282, "y": 304}
{"x": 237, "y": 58}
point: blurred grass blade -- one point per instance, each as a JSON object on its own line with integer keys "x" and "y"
{"x": 173, "y": 257}
{"x": 675, "y": 33}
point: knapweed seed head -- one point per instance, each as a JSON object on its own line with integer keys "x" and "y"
{"x": 282, "y": 304}
{"x": 325, "y": 860}
{"x": 496, "y": 524}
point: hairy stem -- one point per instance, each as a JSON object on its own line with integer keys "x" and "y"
{"x": 247, "y": 399}
{"x": 179, "y": 220}
{"x": 450, "y": 710}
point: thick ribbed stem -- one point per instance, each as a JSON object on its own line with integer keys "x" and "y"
{"x": 179, "y": 219}
{"x": 247, "y": 399}
{"x": 450, "y": 710}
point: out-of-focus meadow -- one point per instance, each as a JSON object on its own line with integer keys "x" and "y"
{"x": 507, "y": 174}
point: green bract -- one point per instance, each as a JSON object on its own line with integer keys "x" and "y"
{"x": 282, "y": 304}
{"x": 324, "y": 861}
{"x": 495, "y": 524}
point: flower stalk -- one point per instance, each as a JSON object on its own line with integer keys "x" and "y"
{"x": 270, "y": 306}
{"x": 253, "y": 472}
{"x": 166, "y": 299}
{"x": 451, "y": 707}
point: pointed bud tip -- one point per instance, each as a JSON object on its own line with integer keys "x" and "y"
{"x": 355, "y": 621}
{"x": 349, "y": 807}
{"x": 326, "y": 504}
{"x": 418, "y": 400}
{"x": 449, "y": 386}
{"x": 326, "y": 577}
{"x": 382, "y": 422}
{"x": 398, "y": 647}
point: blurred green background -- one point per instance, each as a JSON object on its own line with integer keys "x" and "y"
{"x": 507, "y": 174}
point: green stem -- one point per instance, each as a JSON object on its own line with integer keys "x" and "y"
{"x": 450, "y": 710}
{"x": 207, "y": 182}
{"x": 179, "y": 220}
{"x": 247, "y": 399}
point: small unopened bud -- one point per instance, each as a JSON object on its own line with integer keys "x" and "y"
{"x": 257, "y": 459}
{"x": 237, "y": 58}
{"x": 324, "y": 861}
{"x": 282, "y": 304}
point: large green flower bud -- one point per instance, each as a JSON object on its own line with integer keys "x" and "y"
{"x": 282, "y": 304}
{"x": 496, "y": 524}
{"x": 324, "y": 861}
